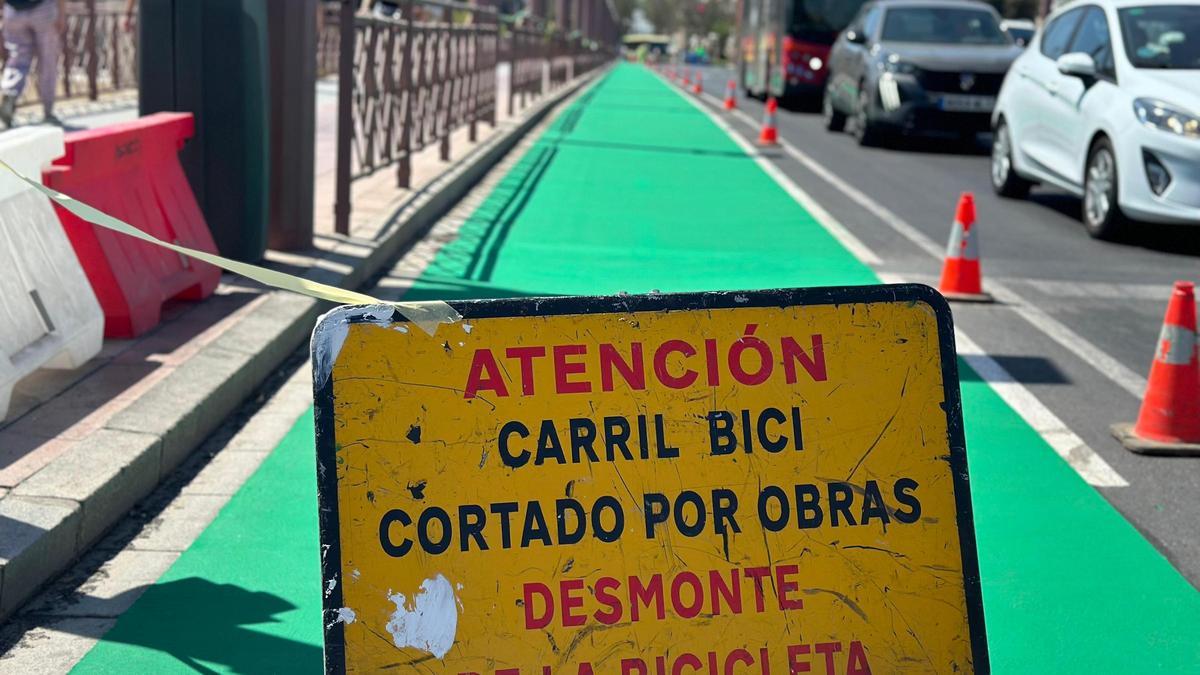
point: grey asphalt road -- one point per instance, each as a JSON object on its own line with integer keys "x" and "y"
{"x": 1112, "y": 295}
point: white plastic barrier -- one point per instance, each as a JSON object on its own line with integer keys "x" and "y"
{"x": 49, "y": 317}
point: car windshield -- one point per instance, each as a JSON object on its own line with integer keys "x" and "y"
{"x": 820, "y": 20}
{"x": 1162, "y": 36}
{"x": 942, "y": 26}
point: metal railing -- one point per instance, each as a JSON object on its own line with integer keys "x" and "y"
{"x": 328, "y": 41}
{"x": 97, "y": 54}
{"x": 413, "y": 79}
{"x": 416, "y": 78}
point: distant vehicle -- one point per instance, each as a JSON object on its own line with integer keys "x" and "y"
{"x": 917, "y": 66}
{"x": 653, "y": 47}
{"x": 1020, "y": 30}
{"x": 1106, "y": 105}
{"x": 783, "y": 45}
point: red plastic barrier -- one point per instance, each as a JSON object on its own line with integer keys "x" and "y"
{"x": 132, "y": 171}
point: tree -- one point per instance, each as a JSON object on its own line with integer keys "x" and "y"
{"x": 663, "y": 14}
{"x": 706, "y": 16}
{"x": 624, "y": 9}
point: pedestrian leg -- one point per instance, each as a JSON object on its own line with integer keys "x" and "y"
{"x": 19, "y": 43}
{"x": 47, "y": 38}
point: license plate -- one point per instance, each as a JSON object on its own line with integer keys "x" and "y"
{"x": 964, "y": 103}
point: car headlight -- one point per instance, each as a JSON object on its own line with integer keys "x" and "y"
{"x": 1159, "y": 115}
{"x": 893, "y": 64}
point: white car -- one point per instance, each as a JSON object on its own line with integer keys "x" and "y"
{"x": 1020, "y": 30}
{"x": 1105, "y": 103}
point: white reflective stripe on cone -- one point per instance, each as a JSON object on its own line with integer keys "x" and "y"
{"x": 1176, "y": 345}
{"x": 963, "y": 243}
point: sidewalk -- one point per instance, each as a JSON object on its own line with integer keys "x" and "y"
{"x": 634, "y": 189}
{"x": 80, "y": 447}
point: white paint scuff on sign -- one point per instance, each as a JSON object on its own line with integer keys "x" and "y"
{"x": 428, "y": 623}
{"x": 343, "y": 615}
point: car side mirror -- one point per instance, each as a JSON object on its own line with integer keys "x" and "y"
{"x": 856, "y": 37}
{"x": 1077, "y": 64}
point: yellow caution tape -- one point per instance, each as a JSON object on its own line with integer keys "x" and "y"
{"x": 427, "y": 315}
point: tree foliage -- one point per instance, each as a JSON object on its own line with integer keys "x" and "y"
{"x": 695, "y": 17}
{"x": 625, "y": 9}
{"x": 664, "y": 15}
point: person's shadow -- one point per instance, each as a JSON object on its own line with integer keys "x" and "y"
{"x": 197, "y": 621}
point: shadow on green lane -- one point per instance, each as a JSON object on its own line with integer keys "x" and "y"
{"x": 198, "y": 622}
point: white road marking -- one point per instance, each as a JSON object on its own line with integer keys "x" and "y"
{"x": 1099, "y": 290}
{"x": 1054, "y": 431}
{"x": 1077, "y": 453}
{"x": 1085, "y": 350}
{"x": 1066, "y": 443}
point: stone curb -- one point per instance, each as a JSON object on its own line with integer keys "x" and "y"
{"x": 56, "y": 514}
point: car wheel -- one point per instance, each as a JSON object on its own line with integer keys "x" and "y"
{"x": 866, "y": 131}
{"x": 1005, "y": 180}
{"x": 1101, "y": 210}
{"x": 834, "y": 119}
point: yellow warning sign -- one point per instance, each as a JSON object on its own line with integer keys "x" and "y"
{"x": 761, "y": 483}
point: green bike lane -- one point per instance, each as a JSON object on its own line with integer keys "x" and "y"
{"x": 633, "y": 189}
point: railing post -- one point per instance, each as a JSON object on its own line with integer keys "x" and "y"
{"x": 493, "y": 63}
{"x": 545, "y": 51}
{"x": 512, "y": 66}
{"x": 89, "y": 48}
{"x": 384, "y": 75}
{"x": 345, "y": 122}
{"x": 445, "y": 102}
{"x": 114, "y": 61}
{"x": 404, "y": 166}
{"x": 473, "y": 80}
{"x": 522, "y": 55}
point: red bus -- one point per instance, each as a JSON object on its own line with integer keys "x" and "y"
{"x": 784, "y": 44}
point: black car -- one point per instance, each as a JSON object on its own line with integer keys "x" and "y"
{"x": 917, "y": 66}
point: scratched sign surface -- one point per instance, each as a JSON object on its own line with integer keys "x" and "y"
{"x": 768, "y": 482}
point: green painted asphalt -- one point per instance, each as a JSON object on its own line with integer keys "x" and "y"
{"x": 632, "y": 189}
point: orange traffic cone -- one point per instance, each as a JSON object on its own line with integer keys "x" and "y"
{"x": 769, "y": 134}
{"x": 699, "y": 86}
{"x": 1169, "y": 421}
{"x": 687, "y": 78}
{"x": 730, "y": 101}
{"x": 962, "y": 278}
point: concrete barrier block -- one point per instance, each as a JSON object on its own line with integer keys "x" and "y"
{"x": 50, "y": 315}
{"x": 131, "y": 171}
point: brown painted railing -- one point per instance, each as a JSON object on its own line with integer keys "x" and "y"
{"x": 98, "y": 55}
{"x": 328, "y": 41}
{"x": 416, "y": 78}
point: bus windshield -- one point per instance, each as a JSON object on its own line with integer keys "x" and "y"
{"x": 820, "y": 21}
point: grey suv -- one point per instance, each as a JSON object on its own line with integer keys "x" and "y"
{"x": 917, "y": 66}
